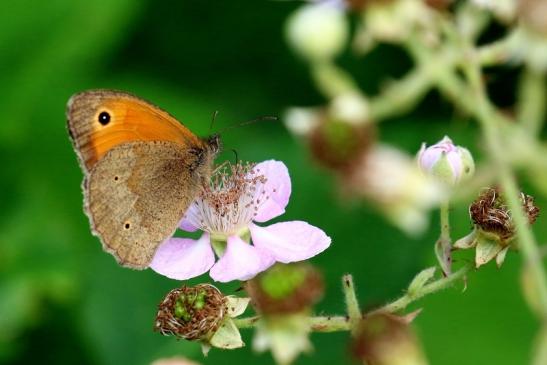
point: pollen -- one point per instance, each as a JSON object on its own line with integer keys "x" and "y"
{"x": 231, "y": 199}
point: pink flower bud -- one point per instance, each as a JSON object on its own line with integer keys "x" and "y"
{"x": 446, "y": 162}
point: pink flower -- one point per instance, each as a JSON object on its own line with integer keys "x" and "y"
{"x": 226, "y": 212}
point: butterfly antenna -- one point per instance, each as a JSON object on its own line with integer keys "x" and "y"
{"x": 213, "y": 118}
{"x": 235, "y": 154}
{"x": 237, "y": 125}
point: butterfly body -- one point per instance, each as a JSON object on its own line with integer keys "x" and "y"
{"x": 142, "y": 169}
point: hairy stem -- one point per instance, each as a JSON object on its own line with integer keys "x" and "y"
{"x": 337, "y": 323}
{"x": 430, "y": 288}
{"x": 352, "y": 305}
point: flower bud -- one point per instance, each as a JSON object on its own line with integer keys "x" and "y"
{"x": 285, "y": 289}
{"x": 318, "y": 31}
{"x": 384, "y": 339}
{"x": 446, "y": 162}
{"x": 191, "y": 312}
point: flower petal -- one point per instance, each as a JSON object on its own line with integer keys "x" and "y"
{"x": 277, "y": 189}
{"x": 183, "y": 258}
{"x": 241, "y": 261}
{"x": 290, "y": 241}
{"x": 187, "y": 222}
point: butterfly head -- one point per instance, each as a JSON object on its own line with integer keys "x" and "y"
{"x": 214, "y": 143}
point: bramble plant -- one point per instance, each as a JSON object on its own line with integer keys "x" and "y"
{"x": 442, "y": 39}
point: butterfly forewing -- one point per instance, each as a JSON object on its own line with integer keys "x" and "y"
{"x": 99, "y": 120}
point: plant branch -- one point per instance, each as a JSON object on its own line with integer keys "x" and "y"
{"x": 337, "y": 323}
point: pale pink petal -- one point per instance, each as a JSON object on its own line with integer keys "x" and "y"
{"x": 183, "y": 258}
{"x": 290, "y": 241}
{"x": 455, "y": 161}
{"x": 277, "y": 190}
{"x": 241, "y": 261}
{"x": 190, "y": 219}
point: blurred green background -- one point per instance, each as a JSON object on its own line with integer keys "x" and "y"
{"x": 62, "y": 300}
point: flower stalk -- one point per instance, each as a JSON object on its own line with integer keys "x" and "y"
{"x": 341, "y": 323}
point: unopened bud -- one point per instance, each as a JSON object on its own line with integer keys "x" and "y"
{"x": 318, "y": 31}
{"x": 446, "y": 162}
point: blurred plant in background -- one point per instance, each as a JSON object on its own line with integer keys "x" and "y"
{"x": 62, "y": 300}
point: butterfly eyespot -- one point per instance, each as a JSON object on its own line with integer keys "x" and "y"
{"x": 127, "y": 225}
{"x": 104, "y": 118}
{"x": 116, "y": 178}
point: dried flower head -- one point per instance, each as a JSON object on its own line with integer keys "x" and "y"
{"x": 494, "y": 229}
{"x": 285, "y": 289}
{"x": 490, "y": 213}
{"x": 191, "y": 313}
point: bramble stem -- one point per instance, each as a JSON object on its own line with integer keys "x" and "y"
{"x": 430, "y": 288}
{"x": 489, "y": 123}
{"x": 352, "y": 305}
{"x": 443, "y": 246}
{"x": 531, "y": 101}
{"x": 338, "y": 323}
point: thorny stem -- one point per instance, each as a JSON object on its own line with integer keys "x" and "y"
{"x": 338, "y": 323}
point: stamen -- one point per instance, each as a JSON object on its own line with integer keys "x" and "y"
{"x": 231, "y": 199}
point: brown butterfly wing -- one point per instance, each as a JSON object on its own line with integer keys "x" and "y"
{"x": 129, "y": 119}
{"x": 137, "y": 193}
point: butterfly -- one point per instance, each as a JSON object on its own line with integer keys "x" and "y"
{"x": 142, "y": 169}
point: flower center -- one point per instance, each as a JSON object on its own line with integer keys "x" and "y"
{"x": 230, "y": 201}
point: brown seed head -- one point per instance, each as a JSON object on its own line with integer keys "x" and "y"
{"x": 190, "y": 312}
{"x": 490, "y": 213}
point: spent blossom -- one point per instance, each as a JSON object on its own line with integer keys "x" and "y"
{"x": 227, "y": 211}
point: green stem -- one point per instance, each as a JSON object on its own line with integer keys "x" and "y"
{"x": 531, "y": 101}
{"x": 347, "y": 323}
{"x": 401, "y": 95}
{"x": 445, "y": 221}
{"x": 430, "y": 288}
{"x": 443, "y": 246}
{"x": 352, "y": 305}
{"x": 489, "y": 123}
